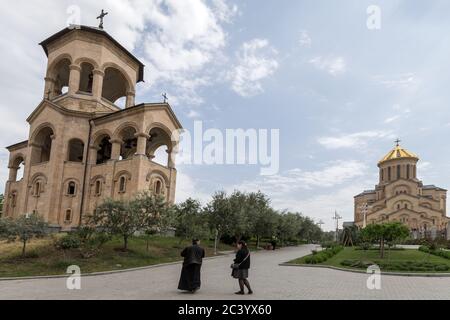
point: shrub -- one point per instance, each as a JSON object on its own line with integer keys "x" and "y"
{"x": 322, "y": 256}
{"x": 70, "y": 241}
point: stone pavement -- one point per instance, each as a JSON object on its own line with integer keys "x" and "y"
{"x": 269, "y": 281}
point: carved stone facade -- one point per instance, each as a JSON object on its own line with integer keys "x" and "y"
{"x": 82, "y": 147}
{"x": 401, "y": 196}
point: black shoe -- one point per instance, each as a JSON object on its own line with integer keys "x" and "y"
{"x": 250, "y": 292}
{"x": 240, "y": 292}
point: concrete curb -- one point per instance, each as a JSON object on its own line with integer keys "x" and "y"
{"x": 103, "y": 273}
{"x": 404, "y": 274}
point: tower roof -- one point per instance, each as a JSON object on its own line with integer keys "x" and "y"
{"x": 45, "y": 44}
{"x": 398, "y": 153}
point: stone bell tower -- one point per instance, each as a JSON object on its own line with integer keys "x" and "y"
{"x": 88, "y": 140}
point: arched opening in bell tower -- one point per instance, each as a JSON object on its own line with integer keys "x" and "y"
{"x": 86, "y": 77}
{"x": 115, "y": 85}
{"x": 61, "y": 74}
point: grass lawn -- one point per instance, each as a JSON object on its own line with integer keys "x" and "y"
{"x": 44, "y": 259}
{"x": 395, "y": 260}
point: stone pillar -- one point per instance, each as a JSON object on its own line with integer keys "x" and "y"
{"x": 172, "y": 154}
{"x": 142, "y": 139}
{"x": 130, "y": 99}
{"x": 74, "y": 79}
{"x": 49, "y": 88}
{"x": 13, "y": 173}
{"x": 97, "y": 86}
{"x": 93, "y": 155}
{"x": 116, "y": 148}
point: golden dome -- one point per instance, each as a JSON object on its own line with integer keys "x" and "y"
{"x": 398, "y": 153}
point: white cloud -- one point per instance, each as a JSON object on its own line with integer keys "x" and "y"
{"x": 333, "y": 65}
{"x": 391, "y": 119}
{"x": 256, "y": 62}
{"x": 398, "y": 81}
{"x": 354, "y": 140}
{"x": 305, "y": 40}
{"x": 188, "y": 187}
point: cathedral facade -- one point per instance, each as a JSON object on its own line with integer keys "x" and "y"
{"x": 83, "y": 148}
{"x": 401, "y": 196}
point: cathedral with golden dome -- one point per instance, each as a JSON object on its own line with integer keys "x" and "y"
{"x": 401, "y": 196}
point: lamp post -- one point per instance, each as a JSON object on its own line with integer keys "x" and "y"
{"x": 337, "y": 218}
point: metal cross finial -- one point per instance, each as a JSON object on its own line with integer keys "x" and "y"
{"x": 101, "y": 17}
{"x": 397, "y": 142}
{"x": 164, "y": 95}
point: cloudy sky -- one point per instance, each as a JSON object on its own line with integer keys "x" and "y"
{"x": 339, "y": 92}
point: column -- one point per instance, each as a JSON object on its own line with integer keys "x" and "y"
{"x": 74, "y": 79}
{"x": 130, "y": 99}
{"x": 116, "y": 148}
{"x": 97, "y": 86}
{"x": 13, "y": 173}
{"x": 93, "y": 155}
{"x": 172, "y": 154}
{"x": 49, "y": 88}
{"x": 142, "y": 139}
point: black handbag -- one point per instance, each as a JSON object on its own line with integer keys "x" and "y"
{"x": 235, "y": 266}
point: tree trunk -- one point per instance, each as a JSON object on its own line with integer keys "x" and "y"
{"x": 216, "y": 240}
{"x": 257, "y": 242}
{"x": 148, "y": 243}
{"x": 125, "y": 243}
{"x": 382, "y": 248}
{"x": 24, "y": 248}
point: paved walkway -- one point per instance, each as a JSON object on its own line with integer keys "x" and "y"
{"x": 269, "y": 280}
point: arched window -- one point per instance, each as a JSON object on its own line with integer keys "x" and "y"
{"x": 389, "y": 173}
{"x": 14, "y": 200}
{"x": 399, "y": 172}
{"x": 86, "y": 77}
{"x": 160, "y": 142}
{"x": 129, "y": 146}
{"x": 104, "y": 150}
{"x": 42, "y": 146}
{"x": 71, "y": 188}
{"x": 115, "y": 85}
{"x": 37, "y": 189}
{"x": 17, "y": 169}
{"x": 122, "y": 184}
{"x": 98, "y": 188}
{"x": 408, "y": 171}
{"x": 68, "y": 216}
{"x": 61, "y": 74}
{"x": 76, "y": 150}
{"x": 158, "y": 187}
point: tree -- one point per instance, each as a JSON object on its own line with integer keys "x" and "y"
{"x": 23, "y": 229}
{"x": 219, "y": 213}
{"x": 262, "y": 218}
{"x": 288, "y": 226}
{"x": 118, "y": 218}
{"x": 190, "y": 221}
{"x": 156, "y": 214}
{"x": 386, "y": 232}
{"x": 239, "y": 215}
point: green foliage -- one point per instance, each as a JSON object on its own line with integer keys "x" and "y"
{"x": 435, "y": 251}
{"x": 70, "y": 241}
{"x": 397, "y": 265}
{"x": 384, "y": 233}
{"x": 23, "y": 229}
{"x": 190, "y": 221}
{"x": 322, "y": 256}
{"x": 118, "y": 218}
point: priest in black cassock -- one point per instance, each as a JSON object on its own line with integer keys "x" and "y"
{"x": 190, "y": 274}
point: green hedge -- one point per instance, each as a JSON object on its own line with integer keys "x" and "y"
{"x": 397, "y": 265}
{"x": 322, "y": 256}
{"x": 436, "y": 252}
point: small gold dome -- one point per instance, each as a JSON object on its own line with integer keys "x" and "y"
{"x": 398, "y": 153}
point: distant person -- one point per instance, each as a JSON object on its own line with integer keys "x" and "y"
{"x": 190, "y": 274}
{"x": 241, "y": 266}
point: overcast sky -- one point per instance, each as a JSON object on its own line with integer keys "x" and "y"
{"x": 339, "y": 92}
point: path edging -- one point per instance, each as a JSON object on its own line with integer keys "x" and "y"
{"x": 103, "y": 273}
{"x": 404, "y": 274}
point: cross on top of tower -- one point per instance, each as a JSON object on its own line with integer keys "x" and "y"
{"x": 164, "y": 95}
{"x": 397, "y": 142}
{"x": 101, "y": 17}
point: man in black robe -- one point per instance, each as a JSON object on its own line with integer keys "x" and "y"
{"x": 190, "y": 274}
